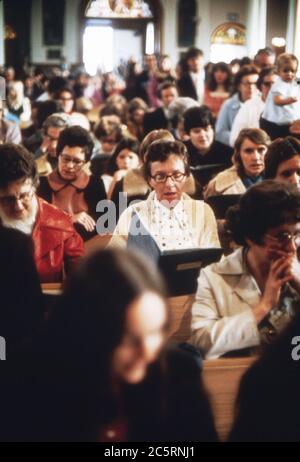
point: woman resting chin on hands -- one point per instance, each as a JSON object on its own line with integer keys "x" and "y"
{"x": 248, "y": 297}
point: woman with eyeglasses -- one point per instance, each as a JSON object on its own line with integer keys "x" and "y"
{"x": 243, "y": 301}
{"x": 66, "y": 98}
{"x": 169, "y": 216}
{"x": 69, "y": 187}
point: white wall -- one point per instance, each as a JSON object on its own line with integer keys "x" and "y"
{"x": 1, "y": 34}
{"x": 256, "y": 26}
{"x": 71, "y": 35}
{"x": 169, "y": 30}
{"x": 210, "y": 14}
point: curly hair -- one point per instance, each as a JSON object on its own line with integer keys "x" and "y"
{"x": 76, "y": 136}
{"x": 16, "y": 163}
{"x": 161, "y": 150}
{"x": 279, "y": 151}
{"x": 265, "y": 205}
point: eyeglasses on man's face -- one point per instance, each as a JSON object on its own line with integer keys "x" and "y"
{"x": 10, "y": 201}
{"x": 176, "y": 177}
{"x": 285, "y": 238}
{"x": 68, "y": 160}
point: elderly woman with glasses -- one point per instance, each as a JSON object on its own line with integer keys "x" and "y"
{"x": 246, "y": 299}
{"x": 69, "y": 187}
{"x": 169, "y": 216}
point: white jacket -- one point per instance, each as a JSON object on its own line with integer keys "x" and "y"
{"x": 247, "y": 117}
{"x": 222, "y": 318}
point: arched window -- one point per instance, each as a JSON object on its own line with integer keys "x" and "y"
{"x": 186, "y": 23}
{"x": 228, "y": 41}
{"x": 118, "y": 9}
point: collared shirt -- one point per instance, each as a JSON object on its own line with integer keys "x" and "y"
{"x": 198, "y": 80}
{"x": 169, "y": 226}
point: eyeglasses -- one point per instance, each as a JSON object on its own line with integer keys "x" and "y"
{"x": 285, "y": 238}
{"x": 25, "y": 198}
{"x": 177, "y": 177}
{"x": 67, "y": 160}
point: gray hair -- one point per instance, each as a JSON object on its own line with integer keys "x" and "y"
{"x": 57, "y": 120}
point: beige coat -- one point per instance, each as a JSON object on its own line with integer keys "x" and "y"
{"x": 222, "y": 318}
{"x": 227, "y": 182}
{"x": 200, "y": 217}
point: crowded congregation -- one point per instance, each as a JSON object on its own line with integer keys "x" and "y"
{"x": 150, "y": 230}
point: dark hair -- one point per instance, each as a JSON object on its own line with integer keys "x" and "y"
{"x": 197, "y": 117}
{"x": 64, "y": 89}
{"x": 109, "y": 125}
{"x": 243, "y": 72}
{"x": 21, "y": 297}
{"x": 211, "y": 81}
{"x": 75, "y": 136}
{"x": 193, "y": 52}
{"x": 56, "y": 83}
{"x": 256, "y": 135}
{"x": 89, "y": 322}
{"x": 154, "y": 135}
{"x": 45, "y": 109}
{"x": 265, "y": 51}
{"x": 126, "y": 143}
{"x": 161, "y": 150}
{"x": 263, "y": 73}
{"x": 164, "y": 86}
{"x": 16, "y": 163}
{"x": 279, "y": 151}
{"x": 264, "y": 206}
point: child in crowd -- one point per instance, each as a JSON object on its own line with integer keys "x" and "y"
{"x": 282, "y": 104}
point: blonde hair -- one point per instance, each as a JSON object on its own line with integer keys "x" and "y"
{"x": 286, "y": 58}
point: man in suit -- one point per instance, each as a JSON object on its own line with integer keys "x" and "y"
{"x": 191, "y": 83}
{"x": 160, "y": 118}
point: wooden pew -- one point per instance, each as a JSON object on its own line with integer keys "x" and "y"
{"x": 52, "y": 288}
{"x": 180, "y": 317}
{"x": 97, "y": 242}
{"x": 221, "y": 376}
{"x": 180, "y": 307}
{"x": 221, "y": 379}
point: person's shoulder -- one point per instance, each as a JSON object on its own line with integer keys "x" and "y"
{"x": 52, "y": 217}
{"x": 182, "y": 358}
{"x": 225, "y": 179}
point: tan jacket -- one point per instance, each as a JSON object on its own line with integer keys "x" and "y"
{"x": 227, "y": 182}
{"x": 222, "y": 318}
{"x": 201, "y": 220}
